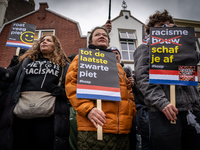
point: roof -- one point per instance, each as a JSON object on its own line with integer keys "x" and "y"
{"x": 30, "y": 13}
{"x": 121, "y": 14}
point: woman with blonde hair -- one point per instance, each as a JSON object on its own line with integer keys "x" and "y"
{"x": 39, "y": 70}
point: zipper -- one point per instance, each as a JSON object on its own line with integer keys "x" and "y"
{"x": 118, "y": 102}
{"x": 129, "y": 87}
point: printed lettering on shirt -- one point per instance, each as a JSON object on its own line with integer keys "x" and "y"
{"x": 43, "y": 67}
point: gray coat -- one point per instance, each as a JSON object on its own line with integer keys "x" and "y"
{"x": 157, "y": 96}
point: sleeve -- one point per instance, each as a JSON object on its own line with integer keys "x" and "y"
{"x": 198, "y": 56}
{"x": 125, "y": 87}
{"x": 153, "y": 93}
{"x": 9, "y": 74}
{"x": 82, "y": 106}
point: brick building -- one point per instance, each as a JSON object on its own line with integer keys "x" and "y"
{"x": 17, "y": 8}
{"x": 47, "y": 22}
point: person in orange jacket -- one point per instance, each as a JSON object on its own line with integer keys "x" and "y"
{"x": 115, "y": 117}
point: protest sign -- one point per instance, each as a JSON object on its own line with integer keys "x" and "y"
{"x": 97, "y": 75}
{"x": 21, "y": 35}
{"x": 173, "y": 58}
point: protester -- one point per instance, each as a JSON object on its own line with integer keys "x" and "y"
{"x": 6, "y": 87}
{"x": 115, "y": 117}
{"x": 39, "y": 69}
{"x": 164, "y": 135}
{"x": 142, "y": 119}
{"x": 73, "y": 113}
{"x": 117, "y": 53}
{"x": 73, "y": 121}
{"x": 4, "y": 91}
{"x": 132, "y": 134}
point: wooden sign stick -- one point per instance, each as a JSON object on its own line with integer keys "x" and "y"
{"x": 17, "y": 51}
{"x": 173, "y": 99}
{"x": 99, "y": 128}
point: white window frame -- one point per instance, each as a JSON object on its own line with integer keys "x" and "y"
{"x": 43, "y": 30}
{"x": 127, "y": 40}
{"x": 128, "y": 50}
{"x": 127, "y": 35}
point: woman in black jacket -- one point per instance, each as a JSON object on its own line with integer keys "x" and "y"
{"x": 39, "y": 69}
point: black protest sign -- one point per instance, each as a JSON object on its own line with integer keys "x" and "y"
{"x": 171, "y": 49}
{"x": 21, "y": 35}
{"x": 97, "y": 75}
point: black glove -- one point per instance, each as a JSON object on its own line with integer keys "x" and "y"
{"x": 58, "y": 91}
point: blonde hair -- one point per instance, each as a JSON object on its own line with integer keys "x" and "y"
{"x": 57, "y": 56}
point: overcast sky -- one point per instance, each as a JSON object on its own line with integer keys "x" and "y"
{"x": 92, "y": 13}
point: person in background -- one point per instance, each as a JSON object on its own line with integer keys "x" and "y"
{"x": 43, "y": 67}
{"x": 117, "y": 53}
{"x": 115, "y": 117}
{"x": 6, "y": 87}
{"x": 142, "y": 119}
{"x": 164, "y": 135}
{"x": 73, "y": 120}
{"x": 132, "y": 134}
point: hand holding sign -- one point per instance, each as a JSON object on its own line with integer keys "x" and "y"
{"x": 170, "y": 112}
{"x": 97, "y": 117}
{"x": 93, "y": 67}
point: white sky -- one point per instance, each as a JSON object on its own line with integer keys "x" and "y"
{"x": 92, "y": 13}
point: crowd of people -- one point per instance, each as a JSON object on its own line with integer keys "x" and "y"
{"x": 45, "y": 72}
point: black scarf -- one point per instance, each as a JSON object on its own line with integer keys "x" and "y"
{"x": 91, "y": 46}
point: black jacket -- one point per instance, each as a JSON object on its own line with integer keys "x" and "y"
{"x": 142, "y": 121}
{"x": 61, "y": 113}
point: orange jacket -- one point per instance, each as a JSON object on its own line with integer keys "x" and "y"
{"x": 119, "y": 115}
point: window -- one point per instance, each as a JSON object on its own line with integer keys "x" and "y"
{"x": 127, "y": 50}
{"x": 40, "y": 33}
{"x": 128, "y": 44}
{"x": 127, "y": 35}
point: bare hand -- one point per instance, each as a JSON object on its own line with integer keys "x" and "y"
{"x": 131, "y": 80}
{"x": 108, "y": 26}
{"x": 170, "y": 112}
{"x": 97, "y": 117}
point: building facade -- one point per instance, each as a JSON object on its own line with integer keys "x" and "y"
{"x": 47, "y": 22}
{"x": 126, "y": 35}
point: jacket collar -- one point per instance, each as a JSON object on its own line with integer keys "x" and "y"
{"x": 91, "y": 46}
{"x": 40, "y": 56}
